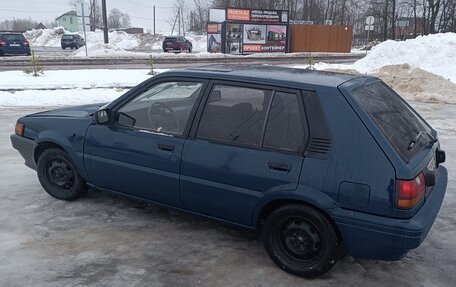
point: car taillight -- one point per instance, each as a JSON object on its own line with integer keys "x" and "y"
{"x": 25, "y": 43}
{"x": 2, "y": 43}
{"x": 410, "y": 192}
{"x": 19, "y": 129}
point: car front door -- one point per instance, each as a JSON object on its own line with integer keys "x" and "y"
{"x": 139, "y": 152}
{"x": 249, "y": 142}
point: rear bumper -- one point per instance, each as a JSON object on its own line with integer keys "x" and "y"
{"x": 25, "y": 147}
{"x": 382, "y": 238}
{"x": 15, "y": 51}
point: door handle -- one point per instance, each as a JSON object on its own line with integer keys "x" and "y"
{"x": 166, "y": 147}
{"x": 279, "y": 166}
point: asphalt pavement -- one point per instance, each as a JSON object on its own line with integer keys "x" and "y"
{"x": 55, "y": 58}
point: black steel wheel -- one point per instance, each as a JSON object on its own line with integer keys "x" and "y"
{"x": 58, "y": 175}
{"x": 301, "y": 240}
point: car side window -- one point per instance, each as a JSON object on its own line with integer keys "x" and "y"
{"x": 234, "y": 115}
{"x": 285, "y": 129}
{"x": 164, "y": 108}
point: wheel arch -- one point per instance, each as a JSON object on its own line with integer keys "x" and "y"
{"x": 321, "y": 203}
{"x": 55, "y": 140}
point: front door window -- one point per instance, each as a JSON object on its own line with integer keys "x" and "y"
{"x": 164, "y": 108}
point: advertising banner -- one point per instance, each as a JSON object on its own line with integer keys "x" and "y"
{"x": 247, "y": 15}
{"x": 264, "y": 38}
{"x": 214, "y": 43}
{"x": 238, "y": 14}
{"x": 214, "y": 28}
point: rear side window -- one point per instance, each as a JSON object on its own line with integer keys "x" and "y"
{"x": 399, "y": 124}
{"x": 13, "y": 37}
{"x": 235, "y": 115}
{"x": 285, "y": 126}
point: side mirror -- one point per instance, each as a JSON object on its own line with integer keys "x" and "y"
{"x": 102, "y": 116}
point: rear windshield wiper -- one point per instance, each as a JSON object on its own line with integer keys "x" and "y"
{"x": 415, "y": 139}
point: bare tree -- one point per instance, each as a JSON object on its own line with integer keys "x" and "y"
{"x": 118, "y": 19}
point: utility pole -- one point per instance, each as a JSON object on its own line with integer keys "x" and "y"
{"x": 154, "y": 19}
{"x": 105, "y": 21}
{"x": 84, "y": 25}
{"x": 179, "y": 20}
{"x": 183, "y": 28}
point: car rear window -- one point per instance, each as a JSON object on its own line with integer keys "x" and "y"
{"x": 67, "y": 37}
{"x": 13, "y": 37}
{"x": 399, "y": 123}
{"x": 171, "y": 38}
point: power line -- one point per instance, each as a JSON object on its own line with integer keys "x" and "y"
{"x": 145, "y": 18}
{"x": 28, "y": 11}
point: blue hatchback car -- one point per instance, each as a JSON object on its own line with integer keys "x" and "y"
{"x": 321, "y": 163}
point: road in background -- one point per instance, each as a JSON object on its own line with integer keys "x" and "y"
{"x": 52, "y": 58}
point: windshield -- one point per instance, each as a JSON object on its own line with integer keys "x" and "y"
{"x": 400, "y": 124}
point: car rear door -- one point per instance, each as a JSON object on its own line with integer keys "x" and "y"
{"x": 235, "y": 156}
{"x": 139, "y": 153}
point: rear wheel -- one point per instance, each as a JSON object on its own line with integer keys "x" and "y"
{"x": 58, "y": 175}
{"x": 301, "y": 240}
{"x": 189, "y": 49}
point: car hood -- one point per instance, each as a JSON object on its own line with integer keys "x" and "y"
{"x": 75, "y": 112}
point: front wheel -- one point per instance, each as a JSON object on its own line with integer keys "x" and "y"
{"x": 58, "y": 175}
{"x": 301, "y": 240}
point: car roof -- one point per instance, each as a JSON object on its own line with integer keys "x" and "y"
{"x": 272, "y": 75}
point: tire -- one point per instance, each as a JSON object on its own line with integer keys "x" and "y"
{"x": 301, "y": 240}
{"x": 189, "y": 49}
{"x": 64, "y": 47}
{"x": 58, "y": 175}
{"x": 77, "y": 46}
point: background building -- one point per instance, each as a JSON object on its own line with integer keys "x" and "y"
{"x": 69, "y": 21}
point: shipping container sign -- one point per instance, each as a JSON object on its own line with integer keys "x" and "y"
{"x": 264, "y": 38}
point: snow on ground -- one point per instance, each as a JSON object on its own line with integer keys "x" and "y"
{"x": 52, "y": 37}
{"x": 68, "y": 79}
{"x": 119, "y": 41}
{"x": 433, "y": 53}
{"x": 421, "y": 69}
{"x": 52, "y": 98}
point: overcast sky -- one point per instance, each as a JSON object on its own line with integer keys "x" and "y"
{"x": 140, "y": 11}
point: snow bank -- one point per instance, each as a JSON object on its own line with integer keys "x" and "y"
{"x": 41, "y": 98}
{"x": 433, "y": 53}
{"x": 52, "y": 37}
{"x": 418, "y": 85}
{"x": 45, "y": 37}
{"x": 69, "y": 79}
{"x": 105, "y": 50}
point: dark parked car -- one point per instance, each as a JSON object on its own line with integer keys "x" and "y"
{"x": 177, "y": 44}
{"x": 72, "y": 41}
{"x": 321, "y": 163}
{"x": 13, "y": 44}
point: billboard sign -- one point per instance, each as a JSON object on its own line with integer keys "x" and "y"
{"x": 264, "y": 38}
{"x": 257, "y": 15}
